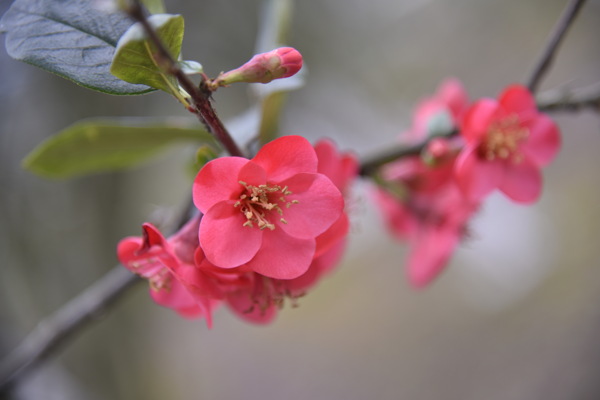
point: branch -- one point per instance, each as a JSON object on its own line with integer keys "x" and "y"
{"x": 554, "y": 40}
{"x": 48, "y": 337}
{"x": 571, "y": 100}
{"x": 56, "y": 329}
{"x": 200, "y": 96}
{"x": 371, "y": 164}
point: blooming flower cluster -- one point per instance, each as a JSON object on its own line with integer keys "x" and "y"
{"x": 268, "y": 229}
{"x": 429, "y": 199}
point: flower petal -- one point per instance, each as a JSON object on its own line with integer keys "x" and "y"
{"x": 341, "y": 169}
{"x": 319, "y": 205}
{"x": 453, "y": 94}
{"x": 217, "y": 181}
{"x": 544, "y": 140}
{"x": 142, "y": 263}
{"x": 285, "y": 157}
{"x": 429, "y": 254}
{"x": 397, "y": 217}
{"x": 475, "y": 177}
{"x": 522, "y": 182}
{"x": 282, "y": 256}
{"x": 477, "y": 120}
{"x": 243, "y": 305}
{"x": 328, "y": 260}
{"x": 252, "y": 174}
{"x": 148, "y": 255}
{"x": 224, "y": 239}
{"x": 333, "y": 235}
{"x": 177, "y": 298}
{"x": 517, "y": 99}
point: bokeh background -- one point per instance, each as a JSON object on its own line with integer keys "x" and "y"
{"x": 515, "y": 316}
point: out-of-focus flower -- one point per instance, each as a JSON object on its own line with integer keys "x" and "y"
{"x": 440, "y": 113}
{"x": 432, "y": 222}
{"x": 418, "y": 195}
{"x": 264, "y": 214}
{"x": 507, "y": 143}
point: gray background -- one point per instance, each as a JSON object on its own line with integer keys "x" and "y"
{"x": 515, "y": 316}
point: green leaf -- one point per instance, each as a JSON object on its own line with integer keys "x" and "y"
{"x": 136, "y": 59}
{"x": 75, "y": 39}
{"x": 107, "y": 144}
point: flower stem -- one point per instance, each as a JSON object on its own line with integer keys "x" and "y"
{"x": 200, "y": 96}
{"x": 370, "y": 165}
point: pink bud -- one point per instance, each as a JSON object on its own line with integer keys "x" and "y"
{"x": 438, "y": 147}
{"x": 265, "y": 67}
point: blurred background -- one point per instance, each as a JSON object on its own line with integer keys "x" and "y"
{"x": 515, "y": 316}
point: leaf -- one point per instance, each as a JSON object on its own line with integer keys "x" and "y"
{"x": 106, "y": 145}
{"x": 136, "y": 59}
{"x": 190, "y": 67}
{"x": 75, "y": 39}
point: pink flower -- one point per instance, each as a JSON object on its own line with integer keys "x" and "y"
{"x": 259, "y": 299}
{"x": 170, "y": 267}
{"x": 342, "y": 169}
{"x": 265, "y": 213}
{"x": 264, "y": 67}
{"x": 423, "y": 206}
{"x": 440, "y": 113}
{"x": 262, "y": 297}
{"x": 433, "y": 223}
{"x": 418, "y": 195}
{"x": 507, "y": 143}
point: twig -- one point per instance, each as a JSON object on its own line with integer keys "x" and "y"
{"x": 554, "y": 40}
{"x": 200, "y": 95}
{"x": 571, "y": 100}
{"x": 371, "y": 164}
{"x": 55, "y": 330}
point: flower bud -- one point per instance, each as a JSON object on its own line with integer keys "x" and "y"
{"x": 437, "y": 150}
{"x": 265, "y": 67}
{"x": 439, "y": 147}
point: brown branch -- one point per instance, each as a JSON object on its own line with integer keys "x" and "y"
{"x": 554, "y": 40}
{"x": 200, "y": 96}
{"x": 50, "y": 334}
{"x": 571, "y": 100}
{"x": 370, "y": 165}
{"x": 55, "y": 330}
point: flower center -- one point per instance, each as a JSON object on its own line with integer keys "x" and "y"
{"x": 503, "y": 139}
{"x": 269, "y": 292}
{"x": 152, "y": 269}
{"x": 258, "y": 203}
